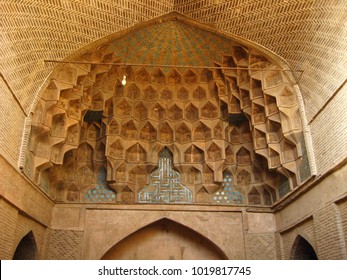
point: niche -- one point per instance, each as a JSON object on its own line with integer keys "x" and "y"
{"x": 286, "y": 98}
{"x": 149, "y": 93}
{"x": 254, "y": 197}
{"x": 258, "y": 114}
{"x": 256, "y": 89}
{"x": 214, "y": 153}
{"x": 190, "y": 77}
{"x": 243, "y": 156}
{"x": 138, "y": 176}
{"x": 93, "y": 132}
{"x": 85, "y": 152}
{"x": 43, "y": 149}
{"x": 116, "y": 150}
{"x": 271, "y": 105}
{"x": 136, "y": 153}
{"x": 165, "y": 133}
{"x": 193, "y": 176}
{"x": 121, "y": 173}
{"x": 183, "y": 133}
{"x": 208, "y": 174}
{"x": 209, "y": 110}
{"x": 158, "y": 77}
{"x": 174, "y": 78}
{"x": 191, "y": 113}
{"x": 229, "y": 155}
{"x": 148, "y": 132}
{"x": 245, "y": 100}
{"x": 235, "y": 135}
{"x": 289, "y": 151}
{"x": 202, "y": 132}
{"x": 206, "y": 75}
{"x": 175, "y": 113}
{"x": 133, "y": 92}
{"x": 218, "y": 131}
{"x": 113, "y": 127}
{"x": 259, "y": 139}
{"x": 123, "y": 108}
{"x": 157, "y": 112}
{"x": 97, "y": 102}
{"x": 166, "y": 94}
{"x": 199, "y": 93}
{"x": 243, "y": 178}
{"x": 183, "y": 94}
{"x": 140, "y": 111}
{"x": 58, "y": 125}
{"x": 129, "y": 130}
{"x": 194, "y": 154}
{"x": 142, "y": 76}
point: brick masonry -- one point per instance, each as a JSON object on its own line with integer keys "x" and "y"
{"x": 342, "y": 208}
{"x": 64, "y": 245}
{"x": 260, "y": 246}
{"x": 329, "y": 235}
{"x": 306, "y": 230}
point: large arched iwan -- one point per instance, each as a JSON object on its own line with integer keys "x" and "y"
{"x": 165, "y": 240}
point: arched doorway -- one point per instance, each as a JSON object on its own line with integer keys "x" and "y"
{"x": 165, "y": 240}
{"x": 26, "y": 249}
{"x": 302, "y": 250}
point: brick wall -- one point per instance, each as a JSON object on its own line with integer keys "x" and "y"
{"x": 8, "y": 218}
{"x": 13, "y": 227}
{"x": 342, "y": 207}
{"x": 329, "y": 133}
{"x": 64, "y": 245}
{"x": 11, "y": 125}
{"x": 305, "y": 229}
{"x": 260, "y": 246}
{"x": 329, "y": 235}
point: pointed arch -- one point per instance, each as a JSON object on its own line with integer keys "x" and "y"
{"x": 26, "y": 248}
{"x": 302, "y": 250}
{"x": 190, "y": 244}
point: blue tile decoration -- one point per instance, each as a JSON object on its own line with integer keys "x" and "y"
{"x": 100, "y": 193}
{"x": 165, "y": 186}
{"x": 227, "y": 195}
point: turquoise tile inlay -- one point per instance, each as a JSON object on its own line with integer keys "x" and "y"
{"x": 227, "y": 195}
{"x": 165, "y": 185}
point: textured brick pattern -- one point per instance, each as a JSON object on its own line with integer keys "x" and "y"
{"x": 329, "y": 235}
{"x": 260, "y": 246}
{"x": 329, "y": 133}
{"x": 64, "y": 26}
{"x": 64, "y": 245}
{"x": 306, "y": 230}
{"x": 11, "y": 124}
{"x": 308, "y": 34}
{"x": 343, "y": 219}
{"x": 23, "y": 195}
{"x": 8, "y": 218}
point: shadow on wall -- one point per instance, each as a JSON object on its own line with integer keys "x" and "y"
{"x": 26, "y": 249}
{"x": 302, "y": 250}
{"x": 165, "y": 240}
